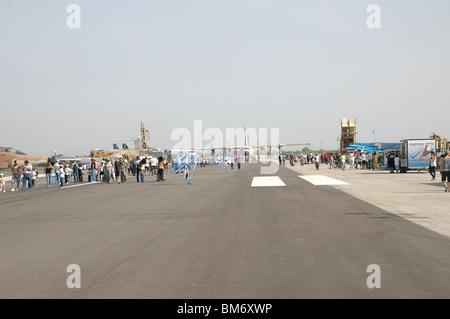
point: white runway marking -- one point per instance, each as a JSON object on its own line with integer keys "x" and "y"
{"x": 261, "y": 181}
{"x": 84, "y": 184}
{"x": 322, "y": 180}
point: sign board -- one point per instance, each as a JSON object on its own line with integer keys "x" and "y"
{"x": 419, "y": 152}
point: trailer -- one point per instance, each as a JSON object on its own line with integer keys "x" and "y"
{"x": 417, "y": 152}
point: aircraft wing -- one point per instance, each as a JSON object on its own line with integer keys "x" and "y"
{"x": 265, "y": 146}
{"x": 283, "y": 145}
{"x": 82, "y": 160}
{"x": 71, "y": 159}
{"x": 222, "y": 148}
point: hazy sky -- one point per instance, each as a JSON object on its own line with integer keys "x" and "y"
{"x": 299, "y": 66}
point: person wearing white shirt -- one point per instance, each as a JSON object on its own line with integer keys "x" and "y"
{"x": 33, "y": 179}
{"x": 153, "y": 164}
{"x": 27, "y": 169}
{"x": 67, "y": 172}
{"x": 397, "y": 163}
{"x": 369, "y": 161}
{"x": 351, "y": 159}
{"x": 61, "y": 176}
{"x": 364, "y": 160}
{"x": 147, "y": 166}
{"x": 56, "y": 167}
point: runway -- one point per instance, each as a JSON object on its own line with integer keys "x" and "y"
{"x": 217, "y": 238}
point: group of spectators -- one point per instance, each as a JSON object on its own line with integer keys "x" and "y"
{"x": 444, "y": 167}
{"x": 118, "y": 169}
{"x": 356, "y": 159}
{"x": 65, "y": 172}
{"x": 26, "y": 174}
{"x": 367, "y": 160}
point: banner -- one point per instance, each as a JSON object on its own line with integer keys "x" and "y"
{"x": 419, "y": 152}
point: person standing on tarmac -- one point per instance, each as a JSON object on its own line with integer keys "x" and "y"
{"x": 138, "y": 168}
{"x": 75, "y": 172}
{"x": 123, "y": 170}
{"x": 444, "y": 168}
{"x": 356, "y": 155}
{"x": 56, "y": 168}
{"x": 391, "y": 161}
{"x": 61, "y": 176}
{"x": 397, "y": 162}
{"x": 432, "y": 167}
{"x": 142, "y": 165}
{"x": 317, "y": 161}
{"x": 160, "y": 176}
{"x": 2, "y": 183}
{"x": 81, "y": 169}
{"x": 153, "y": 164}
{"x": 27, "y": 168}
{"x": 343, "y": 161}
{"x": 375, "y": 160}
{"x": 117, "y": 169}
{"x": 108, "y": 171}
{"x": 15, "y": 177}
{"x": 93, "y": 171}
{"x": 166, "y": 164}
{"x": 48, "y": 173}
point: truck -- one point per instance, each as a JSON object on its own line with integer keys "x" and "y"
{"x": 416, "y": 152}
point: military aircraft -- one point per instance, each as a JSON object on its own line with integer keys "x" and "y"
{"x": 140, "y": 149}
{"x": 9, "y": 154}
{"x": 247, "y": 150}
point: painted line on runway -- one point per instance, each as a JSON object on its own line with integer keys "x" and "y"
{"x": 319, "y": 180}
{"x": 89, "y": 183}
{"x": 264, "y": 181}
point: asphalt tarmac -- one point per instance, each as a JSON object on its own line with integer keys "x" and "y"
{"x": 216, "y": 238}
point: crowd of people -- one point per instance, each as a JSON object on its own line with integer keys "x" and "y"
{"x": 26, "y": 174}
{"x": 108, "y": 171}
{"x": 342, "y": 160}
{"x": 118, "y": 169}
{"x": 368, "y": 161}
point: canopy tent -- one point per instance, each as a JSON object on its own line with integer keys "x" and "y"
{"x": 366, "y": 148}
{"x": 375, "y": 146}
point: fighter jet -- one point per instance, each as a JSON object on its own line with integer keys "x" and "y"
{"x": 9, "y": 154}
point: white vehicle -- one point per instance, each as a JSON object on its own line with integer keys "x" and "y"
{"x": 417, "y": 152}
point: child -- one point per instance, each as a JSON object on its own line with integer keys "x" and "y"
{"x": 67, "y": 174}
{"x": 33, "y": 178}
{"x": 2, "y": 183}
{"x": 37, "y": 178}
{"x": 62, "y": 176}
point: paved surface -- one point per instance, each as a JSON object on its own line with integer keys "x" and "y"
{"x": 217, "y": 238}
{"x": 412, "y": 195}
